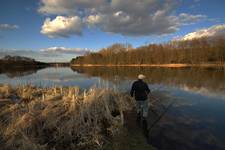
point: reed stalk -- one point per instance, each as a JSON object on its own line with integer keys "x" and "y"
{"x": 44, "y": 119}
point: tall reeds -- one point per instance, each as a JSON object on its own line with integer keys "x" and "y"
{"x": 60, "y": 117}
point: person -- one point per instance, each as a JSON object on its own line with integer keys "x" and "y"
{"x": 140, "y": 91}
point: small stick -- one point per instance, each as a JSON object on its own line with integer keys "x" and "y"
{"x": 85, "y": 94}
{"x": 43, "y": 96}
{"x": 55, "y": 90}
{"x": 73, "y": 97}
{"x": 7, "y": 91}
{"x": 122, "y": 117}
{"x": 61, "y": 90}
{"x": 70, "y": 92}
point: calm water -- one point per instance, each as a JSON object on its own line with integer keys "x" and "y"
{"x": 196, "y": 120}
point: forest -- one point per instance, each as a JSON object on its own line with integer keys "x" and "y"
{"x": 197, "y": 51}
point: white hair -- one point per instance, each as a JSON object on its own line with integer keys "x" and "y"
{"x": 141, "y": 76}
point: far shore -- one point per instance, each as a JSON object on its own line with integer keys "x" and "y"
{"x": 150, "y": 65}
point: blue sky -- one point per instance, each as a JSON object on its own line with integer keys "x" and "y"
{"x": 94, "y": 24}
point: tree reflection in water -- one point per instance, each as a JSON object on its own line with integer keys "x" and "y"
{"x": 210, "y": 78}
{"x": 194, "y": 121}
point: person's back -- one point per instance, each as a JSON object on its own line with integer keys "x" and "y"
{"x": 140, "y": 91}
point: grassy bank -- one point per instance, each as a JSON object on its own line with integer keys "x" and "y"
{"x": 62, "y": 118}
{"x": 151, "y": 65}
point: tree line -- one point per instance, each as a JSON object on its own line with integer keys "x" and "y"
{"x": 191, "y": 52}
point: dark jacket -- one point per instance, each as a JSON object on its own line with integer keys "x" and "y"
{"x": 140, "y": 90}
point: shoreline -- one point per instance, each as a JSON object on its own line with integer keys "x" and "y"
{"x": 149, "y": 65}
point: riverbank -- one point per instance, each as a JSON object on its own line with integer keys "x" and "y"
{"x": 150, "y": 65}
{"x": 65, "y": 118}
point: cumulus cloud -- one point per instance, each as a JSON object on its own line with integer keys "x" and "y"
{"x": 126, "y": 17}
{"x": 8, "y": 27}
{"x": 77, "y": 51}
{"x": 62, "y": 26}
{"x": 212, "y": 32}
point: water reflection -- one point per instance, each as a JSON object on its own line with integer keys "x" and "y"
{"x": 51, "y": 77}
{"x": 193, "y": 79}
{"x": 196, "y": 119}
{"x": 193, "y": 122}
{"x": 206, "y": 81}
{"x": 19, "y": 71}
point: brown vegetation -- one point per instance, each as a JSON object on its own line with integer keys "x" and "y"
{"x": 198, "y": 51}
{"x": 18, "y": 61}
{"x": 60, "y": 118}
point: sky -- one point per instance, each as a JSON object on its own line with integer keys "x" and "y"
{"x": 58, "y": 30}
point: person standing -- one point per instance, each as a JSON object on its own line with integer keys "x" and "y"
{"x": 140, "y": 91}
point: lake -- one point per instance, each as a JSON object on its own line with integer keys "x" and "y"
{"x": 195, "y": 119}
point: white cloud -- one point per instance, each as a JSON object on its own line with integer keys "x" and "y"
{"x": 93, "y": 19}
{"x": 77, "y": 51}
{"x": 212, "y": 32}
{"x": 67, "y": 6}
{"x": 126, "y": 17}
{"x": 8, "y": 27}
{"x": 62, "y": 26}
{"x": 186, "y": 19}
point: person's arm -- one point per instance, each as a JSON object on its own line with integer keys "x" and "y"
{"x": 132, "y": 90}
{"x": 147, "y": 89}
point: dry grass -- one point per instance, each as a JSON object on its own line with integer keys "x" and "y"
{"x": 221, "y": 65}
{"x": 59, "y": 118}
